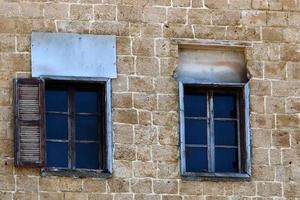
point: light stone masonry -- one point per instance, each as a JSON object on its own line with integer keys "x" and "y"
{"x": 145, "y": 95}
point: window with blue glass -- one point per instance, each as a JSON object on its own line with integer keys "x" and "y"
{"x": 75, "y": 125}
{"x": 215, "y": 131}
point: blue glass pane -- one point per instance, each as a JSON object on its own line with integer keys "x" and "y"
{"x": 56, "y": 126}
{"x": 225, "y": 106}
{"x": 195, "y": 131}
{"x": 56, "y": 100}
{"x": 57, "y": 154}
{"x": 86, "y": 127}
{"x": 226, "y": 159}
{"x": 195, "y": 105}
{"x": 196, "y": 159}
{"x": 225, "y": 132}
{"x": 86, "y": 101}
{"x": 87, "y": 156}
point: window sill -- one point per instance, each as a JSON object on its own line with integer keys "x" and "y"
{"x": 216, "y": 176}
{"x": 79, "y": 173}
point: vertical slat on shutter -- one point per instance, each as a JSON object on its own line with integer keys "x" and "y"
{"x": 29, "y": 122}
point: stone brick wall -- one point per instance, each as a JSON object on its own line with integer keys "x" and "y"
{"x": 145, "y": 96}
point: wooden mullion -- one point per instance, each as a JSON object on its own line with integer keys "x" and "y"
{"x": 212, "y": 132}
{"x": 102, "y": 129}
{"x": 238, "y": 132}
{"x": 70, "y": 128}
{"x": 210, "y": 150}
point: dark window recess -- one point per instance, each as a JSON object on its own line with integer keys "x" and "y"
{"x": 75, "y": 125}
{"x": 214, "y": 136}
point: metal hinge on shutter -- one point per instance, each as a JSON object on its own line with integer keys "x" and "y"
{"x": 29, "y": 122}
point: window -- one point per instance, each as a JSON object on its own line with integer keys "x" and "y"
{"x": 70, "y": 136}
{"x": 214, "y": 131}
{"x": 214, "y": 112}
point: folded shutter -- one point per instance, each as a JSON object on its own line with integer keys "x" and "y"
{"x": 29, "y": 122}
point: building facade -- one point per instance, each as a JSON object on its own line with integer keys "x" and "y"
{"x": 145, "y": 97}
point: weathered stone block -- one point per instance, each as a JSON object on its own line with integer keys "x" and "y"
{"x": 225, "y": 18}
{"x": 124, "y": 45}
{"x": 147, "y": 66}
{"x": 267, "y": 189}
{"x": 191, "y": 188}
{"x": 257, "y": 104}
{"x": 260, "y": 156}
{"x": 122, "y": 100}
{"x": 293, "y": 70}
{"x": 122, "y": 169}
{"x": 123, "y": 133}
{"x": 76, "y": 196}
{"x": 272, "y": 34}
{"x": 165, "y": 186}
{"x": 155, "y": 14}
{"x": 264, "y": 173}
{"x": 130, "y": 13}
{"x": 125, "y": 65}
{"x": 118, "y": 185}
{"x": 124, "y": 152}
{"x": 253, "y": 18}
{"x": 260, "y": 4}
{"x": 93, "y": 185}
{"x": 287, "y": 121}
{"x": 81, "y": 12}
{"x": 70, "y": 184}
{"x": 261, "y": 138}
{"x": 168, "y": 135}
{"x": 144, "y": 169}
{"x": 128, "y": 116}
{"x": 164, "y": 153}
{"x": 120, "y": 84}
{"x": 105, "y": 12}
{"x": 221, "y": 4}
{"x": 144, "y": 153}
{"x": 209, "y": 32}
{"x": 275, "y": 105}
{"x": 141, "y": 185}
{"x": 31, "y": 10}
{"x": 165, "y": 118}
{"x": 177, "y": 15}
{"x": 168, "y": 170}
{"x": 145, "y": 135}
{"x": 177, "y": 31}
{"x": 240, "y": 4}
{"x": 260, "y": 87}
{"x": 144, "y": 117}
{"x": 141, "y": 84}
{"x": 199, "y": 16}
{"x": 49, "y": 184}
{"x": 56, "y": 11}
{"x": 277, "y": 19}
{"x": 151, "y": 30}
{"x": 109, "y": 28}
{"x": 143, "y": 47}
{"x": 281, "y": 139}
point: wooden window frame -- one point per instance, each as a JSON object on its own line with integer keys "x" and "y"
{"x": 105, "y": 151}
{"x": 244, "y": 149}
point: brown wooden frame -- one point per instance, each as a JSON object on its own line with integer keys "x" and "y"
{"x": 243, "y": 131}
{"x": 71, "y": 86}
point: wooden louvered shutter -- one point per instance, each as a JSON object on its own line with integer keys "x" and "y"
{"x": 29, "y": 122}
